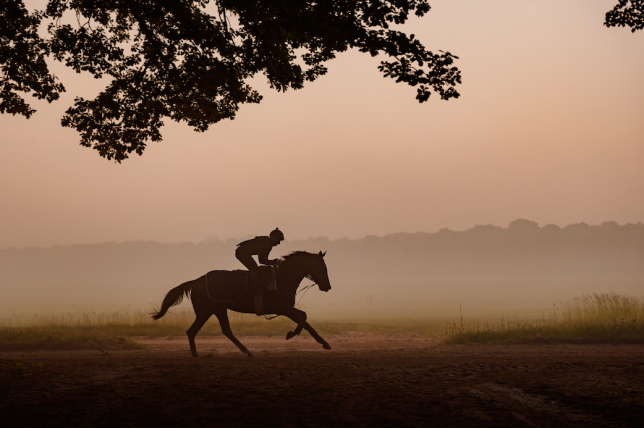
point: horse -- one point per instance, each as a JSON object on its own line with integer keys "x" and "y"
{"x": 292, "y": 270}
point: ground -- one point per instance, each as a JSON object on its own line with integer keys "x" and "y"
{"x": 363, "y": 381}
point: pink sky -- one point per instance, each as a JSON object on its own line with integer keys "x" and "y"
{"x": 549, "y": 127}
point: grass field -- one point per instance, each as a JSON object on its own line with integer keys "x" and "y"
{"x": 604, "y": 317}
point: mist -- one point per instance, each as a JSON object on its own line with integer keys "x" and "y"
{"x": 483, "y": 271}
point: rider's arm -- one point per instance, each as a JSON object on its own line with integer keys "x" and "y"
{"x": 263, "y": 256}
{"x": 267, "y": 261}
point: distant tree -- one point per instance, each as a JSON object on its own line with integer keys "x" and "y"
{"x": 190, "y": 60}
{"x": 626, "y": 13}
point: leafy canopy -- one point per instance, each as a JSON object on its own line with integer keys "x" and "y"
{"x": 626, "y": 13}
{"x": 22, "y": 60}
{"x": 189, "y": 60}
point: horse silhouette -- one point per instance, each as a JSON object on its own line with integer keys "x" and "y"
{"x": 294, "y": 268}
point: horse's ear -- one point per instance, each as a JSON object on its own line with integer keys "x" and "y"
{"x": 322, "y": 254}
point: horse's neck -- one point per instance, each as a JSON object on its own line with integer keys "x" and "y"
{"x": 291, "y": 275}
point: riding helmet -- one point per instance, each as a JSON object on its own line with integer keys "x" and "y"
{"x": 277, "y": 234}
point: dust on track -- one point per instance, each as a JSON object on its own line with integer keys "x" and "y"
{"x": 366, "y": 380}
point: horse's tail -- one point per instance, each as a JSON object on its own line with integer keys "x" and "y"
{"x": 174, "y": 297}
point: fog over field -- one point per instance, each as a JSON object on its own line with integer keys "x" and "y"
{"x": 486, "y": 271}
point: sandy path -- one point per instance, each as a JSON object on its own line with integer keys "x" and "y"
{"x": 363, "y": 381}
{"x": 346, "y": 342}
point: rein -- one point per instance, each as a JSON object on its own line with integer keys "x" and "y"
{"x": 305, "y": 289}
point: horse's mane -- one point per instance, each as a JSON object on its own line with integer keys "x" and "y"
{"x": 296, "y": 254}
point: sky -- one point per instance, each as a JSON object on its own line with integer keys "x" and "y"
{"x": 548, "y": 128}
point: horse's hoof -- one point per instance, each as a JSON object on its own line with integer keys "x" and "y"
{"x": 249, "y": 355}
{"x": 290, "y": 335}
{"x": 195, "y": 356}
{"x": 326, "y": 345}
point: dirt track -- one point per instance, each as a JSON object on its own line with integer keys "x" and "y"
{"x": 363, "y": 381}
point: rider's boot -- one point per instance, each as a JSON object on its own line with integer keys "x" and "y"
{"x": 257, "y": 283}
{"x": 259, "y": 300}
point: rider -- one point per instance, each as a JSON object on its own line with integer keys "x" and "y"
{"x": 261, "y": 247}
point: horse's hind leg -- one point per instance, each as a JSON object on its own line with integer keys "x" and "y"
{"x": 300, "y": 318}
{"x": 194, "y": 329}
{"x": 222, "y": 315}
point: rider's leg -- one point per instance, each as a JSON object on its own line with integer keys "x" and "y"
{"x": 248, "y": 261}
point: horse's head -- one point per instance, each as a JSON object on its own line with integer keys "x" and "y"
{"x": 319, "y": 273}
{"x": 307, "y": 265}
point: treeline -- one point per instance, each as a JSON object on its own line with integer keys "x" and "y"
{"x": 521, "y": 249}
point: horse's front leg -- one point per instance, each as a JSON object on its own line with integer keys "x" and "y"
{"x": 300, "y": 318}
{"x": 292, "y": 334}
{"x": 300, "y": 325}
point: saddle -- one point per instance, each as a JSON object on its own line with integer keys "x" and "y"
{"x": 230, "y": 286}
{"x": 266, "y": 276}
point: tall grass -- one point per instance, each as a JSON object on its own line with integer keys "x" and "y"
{"x": 606, "y": 317}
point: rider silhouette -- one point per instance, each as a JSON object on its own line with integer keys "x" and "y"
{"x": 261, "y": 247}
